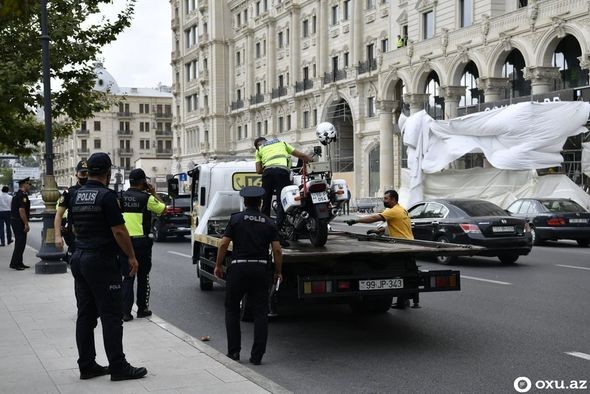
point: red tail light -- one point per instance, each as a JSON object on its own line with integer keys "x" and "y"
{"x": 317, "y": 187}
{"x": 556, "y": 221}
{"x": 470, "y": 228}
{"x": 172, "y": 210}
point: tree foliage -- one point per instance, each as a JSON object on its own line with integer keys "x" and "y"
{"x": 77, "y": 34}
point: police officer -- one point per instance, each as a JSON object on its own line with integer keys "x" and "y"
{"x": 100, "y": 230}
{"x": 20, "y": 209}
{"x": 273, "y": 158}
{"x": 251, "y": 233}
{"x": 138, "y": 203}
{"x": 60, "y": 223}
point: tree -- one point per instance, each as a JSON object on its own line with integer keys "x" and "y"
{"x": 75, "y": 43}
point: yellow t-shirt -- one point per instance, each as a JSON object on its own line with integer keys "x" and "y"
{"x": 274, "y": 153}
{"x": 399, "y": 224}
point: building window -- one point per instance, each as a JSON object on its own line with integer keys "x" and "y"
{"x": 371, "y": 107}
{"x": 239, "y": 20}
{"x": 315, "y": 117}
{"x": 522, "y": 3}
{"x": 257, "y": 8}
{"x": 334, "y": 14}
{"x": 428, "y": 25}
{"x": 288, "y": 122}
{"x": 258, "y": 50}
{"x": 313, "y": 24}
{"x": 83, "y": 125}
{"x": 239, "y": 132}
{"x": 370, "y": 4}
{"x": 266, "y": 127}
{"x": 305, "y": 119}
{"x": 245, "y": 131}
{"x": 346, "y": 9}
{"x": 281, "y": 124}
{"x": 238, "y": 58}
{"x": 384, "y": 45}
{"x": 97, "y": 125}
{"x": 345, "y": 59}
{"x": 306, "y": 28}
{"x": 96, "y": 144}
{"x": 258, "y": 129}
{"x": 280, "y": 39}
{"x": 466, "y": 9}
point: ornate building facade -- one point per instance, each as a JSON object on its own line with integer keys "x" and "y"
{"x": 277, "y": 68}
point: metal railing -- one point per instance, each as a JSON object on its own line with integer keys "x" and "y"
{"x": 334, "y": 76}
{"x": 279, "y": 92}
{"x": 301, "y": 86}
{"x": 366, "y": 66}
{"x": 237, "y": 105}
{"x": 257, "y": 99}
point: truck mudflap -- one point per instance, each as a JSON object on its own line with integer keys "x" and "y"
{"x": 408, "y": 285}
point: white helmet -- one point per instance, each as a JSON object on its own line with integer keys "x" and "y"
{"x": 326, "y": 133}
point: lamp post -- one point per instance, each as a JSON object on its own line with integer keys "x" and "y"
{"x": 51, "y": 258}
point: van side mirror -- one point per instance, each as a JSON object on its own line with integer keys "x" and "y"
{"x": 173, "y": 187}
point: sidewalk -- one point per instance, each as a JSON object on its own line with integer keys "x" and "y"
{"x": 38, "y": 348}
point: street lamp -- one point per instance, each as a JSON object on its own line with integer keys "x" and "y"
{"x": 51, "y": 258}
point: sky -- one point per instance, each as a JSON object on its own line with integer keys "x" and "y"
{"x": 140, "y": 57}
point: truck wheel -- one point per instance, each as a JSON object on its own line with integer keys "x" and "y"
{"x": 508, "y": 258}
{"x": 246, "y": 312}
{"x": 445, "y": 260}
{"x": 372, "y": 305}
{"x": 318, "y": 232}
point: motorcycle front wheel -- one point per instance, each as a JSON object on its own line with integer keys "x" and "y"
{"x": 318, "y": 231}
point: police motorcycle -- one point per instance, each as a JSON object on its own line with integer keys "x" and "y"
{"x": 315, "y": 198}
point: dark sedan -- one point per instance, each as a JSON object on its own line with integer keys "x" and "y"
{"x": 175, "y": 221}
{"x": 553, "y": 219}
{"x": 474, "y": 222}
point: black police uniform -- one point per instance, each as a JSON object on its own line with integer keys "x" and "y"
{"x": 251, "y": 233}
{"x": 19, "y": 200}
{"x": 66, "y": 230}
{"x": 136, "y": 201}
{"x": 93, "y": 210}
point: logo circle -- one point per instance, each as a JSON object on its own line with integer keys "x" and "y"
{"x": 522, "y": 384}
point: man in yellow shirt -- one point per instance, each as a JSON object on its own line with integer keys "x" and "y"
{"x": 398, "y": 221}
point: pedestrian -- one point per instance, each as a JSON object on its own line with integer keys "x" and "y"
{"x": 398, "y": 221}
{"x": 399, "y": 42}
{"x": 63, "y": 228}
{"x": 5, "y": 205}
{"x": 20, "y": 209}
{"x": 273, "y": 158}
{"x": 138, "y": 203}
{"x": 251, "y": 232}
{"x": 347, "y": 202}
{"x": 100, "y": 231}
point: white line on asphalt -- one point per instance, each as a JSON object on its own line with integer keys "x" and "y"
{"x": 33, "y": 249}
{"x": 180, "y": 254}
{"x": 485, "y": 280}
{"x": 573, "y": 266}
{"x": 580, "y": 355}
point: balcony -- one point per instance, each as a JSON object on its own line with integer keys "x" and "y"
{"x": 164, "y": 152}
{"x": 163, "y": 115}
{"x": 257, "y": 99}
{"x": 175, "y": 23}
{"x": 125, "y": 132}
{"x": 367, "y": 66}
{"x": 235, "y": 105}
{"x": 203, "y": 39}
{"x": 125, "y": 151}
{"x": 335, "y": 76}
{"x": 83, "y": 151}
{"x": 301, "y": 86}
{"x": 124, "y": 114}
{"x": 175, "y": 54}
{"x": 279, "y": 92}
{"x": 83, "y": 132}
{"x": 164, "y": 132}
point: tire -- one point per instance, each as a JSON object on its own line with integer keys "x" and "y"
{"x": 445, "y": 260}
{"x": 583, "y": 243}
{"x": 372, "y": 305}
{"x": 508, "y": 258}
{"x": 536, "y": 240}
{"x": 318, "y": 232}
{"x": 158, "y": 236}
{"x": 246, "y": 312}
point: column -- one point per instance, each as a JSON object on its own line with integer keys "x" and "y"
{"x": 452, "y": 95}
{"x": 231, "y": 71}
{"x": 271, "y": 60}
{"x": 323, "y": 31}
{"x": 542, "y": 78}
{"x": 386, "y": 156}
{"x": 494, "y": 88}
{"x": 416, "y": 101}
{"x": 357, "y": 32}
{"x": 250, "y": 65}
{"x": 295, "y": 44}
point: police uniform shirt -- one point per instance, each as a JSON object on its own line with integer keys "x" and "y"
{"x": 65, "y": 197}
{"x": 251, "y": 233}
{"x": 274, "y": 153}
{"x": 137, "y": 205}
{"x": 20, "y": 200}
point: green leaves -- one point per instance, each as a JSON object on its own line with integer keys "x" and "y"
{"x": 75, "y": 44}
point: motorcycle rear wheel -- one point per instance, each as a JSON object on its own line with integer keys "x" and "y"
{"x": 318, "y": 231}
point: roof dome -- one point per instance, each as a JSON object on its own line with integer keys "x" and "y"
{"x": 105, "y": 82}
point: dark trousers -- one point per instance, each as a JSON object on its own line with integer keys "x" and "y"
{"x": 273, "y": 181}
{"x": 20, "y": 242}
{"x": 97, "y": 283}
{"x": 143, "y": 252}
{"x": 250, "y": 279}
{"x": 5, "y": 223}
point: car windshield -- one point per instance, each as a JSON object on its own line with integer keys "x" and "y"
{"x": 479, "y": 208}
{"x": 561, "y": 206}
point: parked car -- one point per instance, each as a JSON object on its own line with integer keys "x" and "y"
{"x": 553, "y": 219}
{"x": 37, "y": 207}
{"x": 175, "y": 221}
{"x": 474, "y": 222}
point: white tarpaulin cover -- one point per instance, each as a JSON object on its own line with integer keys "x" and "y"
{"x": 522, "y": 136}
{"x": 586, "y": 158}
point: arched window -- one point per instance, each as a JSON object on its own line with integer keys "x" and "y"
{"x": 435, "y": 100}
{"x": 513, "y": 70}
{"x": 566, "y": 58}
{"x": 468, "y": 79}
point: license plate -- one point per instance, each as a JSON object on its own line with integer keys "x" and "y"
{"x": 318, "y": 198}
{"x": 381, "y": 284}
{"x": 503, "y": 229}
{"x": 578, "y": 220}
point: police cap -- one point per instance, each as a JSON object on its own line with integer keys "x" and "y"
{"x": 137, "y": 175}
{"x": 27, "y": 179}
{"x": 99, "y": 162}
{"x": 82, "y": 166}
{"x": 252, "y": 192}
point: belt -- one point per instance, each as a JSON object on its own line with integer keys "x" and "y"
{"x": 250, "y": 261}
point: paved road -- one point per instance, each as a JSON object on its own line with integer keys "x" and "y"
{"x": 508, "y": 321}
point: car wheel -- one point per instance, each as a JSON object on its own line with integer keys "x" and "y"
{"x": 508, "y": 258}
{"x": 158, "y": 235}
{"x": 536, "y": 240}
{"x": 445, "y": 260}
{"x": 583, "y": 243}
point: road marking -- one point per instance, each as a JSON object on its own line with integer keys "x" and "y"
{"x": 33, "y": 249}
{"x": 580, "y": 355}
{"x": 180, "y": 254}
{"x": 486, "y": 280}
{"x": 573, "y": 266}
